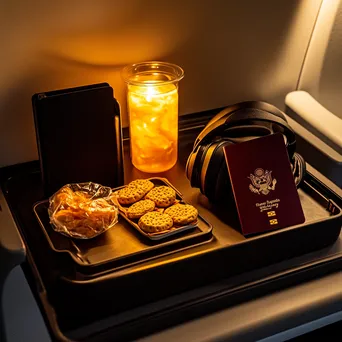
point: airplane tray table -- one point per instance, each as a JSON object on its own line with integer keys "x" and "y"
{"x": 71, "y": 300}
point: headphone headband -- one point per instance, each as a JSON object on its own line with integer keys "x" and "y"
{"x": 266, "y": 107}
{"x": 243, "y": 113}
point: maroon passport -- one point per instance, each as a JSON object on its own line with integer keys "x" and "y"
{"x": 264, "y": 189}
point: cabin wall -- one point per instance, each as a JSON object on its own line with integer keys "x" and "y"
{"x": 230, "y": 50}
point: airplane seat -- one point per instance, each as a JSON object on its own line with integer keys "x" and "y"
{"x": 315, "y": 108}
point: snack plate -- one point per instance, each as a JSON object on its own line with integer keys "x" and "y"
{"x": 158, "y": 181}
{"x": 124, "y": 244}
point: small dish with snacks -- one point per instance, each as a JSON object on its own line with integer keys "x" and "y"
{"x": 155, "y": 208}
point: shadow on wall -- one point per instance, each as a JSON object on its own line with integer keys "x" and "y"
{"x": 231, "y": 51}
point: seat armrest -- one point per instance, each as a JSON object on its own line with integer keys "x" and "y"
{"x": 12, "y": 251}
{"x": 12, "y": 248}
{"x": 316, "y": 118}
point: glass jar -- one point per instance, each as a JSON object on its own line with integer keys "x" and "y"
{"x": 152, "y": 98}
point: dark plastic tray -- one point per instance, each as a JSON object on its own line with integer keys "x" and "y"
{"x": 71, "y": 300}
{"x": 229, "y": 253}
{"x": 124, "y": 244}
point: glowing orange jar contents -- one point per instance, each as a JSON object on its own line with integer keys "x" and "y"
{"x": 152, "y": 97}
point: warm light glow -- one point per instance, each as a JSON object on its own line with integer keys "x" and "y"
{"x": 153, "y": 114}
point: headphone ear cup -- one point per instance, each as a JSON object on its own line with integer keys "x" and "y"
{"x": 194, "y": 165}
{"x": 190, "y": 166}
{"x": 215, "y": 178}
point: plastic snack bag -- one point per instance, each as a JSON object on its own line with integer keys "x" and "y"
{"x": 82, "y": 210}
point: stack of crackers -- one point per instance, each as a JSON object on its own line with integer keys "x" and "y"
{"x": 155, "y": 208}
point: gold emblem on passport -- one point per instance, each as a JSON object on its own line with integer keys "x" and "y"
{"x": 271, "y": 213}
{"x": 262, "y": 182}
{"x": 274, "y": 221}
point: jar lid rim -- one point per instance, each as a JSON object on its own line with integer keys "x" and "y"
{"x": 129, "y": 72}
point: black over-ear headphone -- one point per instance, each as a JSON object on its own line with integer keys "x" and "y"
{"x": 206, "y": 167}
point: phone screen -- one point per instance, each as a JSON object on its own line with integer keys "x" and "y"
{"x": 76, "y": 136}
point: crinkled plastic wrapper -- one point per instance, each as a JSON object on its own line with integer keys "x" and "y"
{"x": 82, "y": 210}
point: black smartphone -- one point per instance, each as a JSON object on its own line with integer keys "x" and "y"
{"x": 78, "y": 136}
